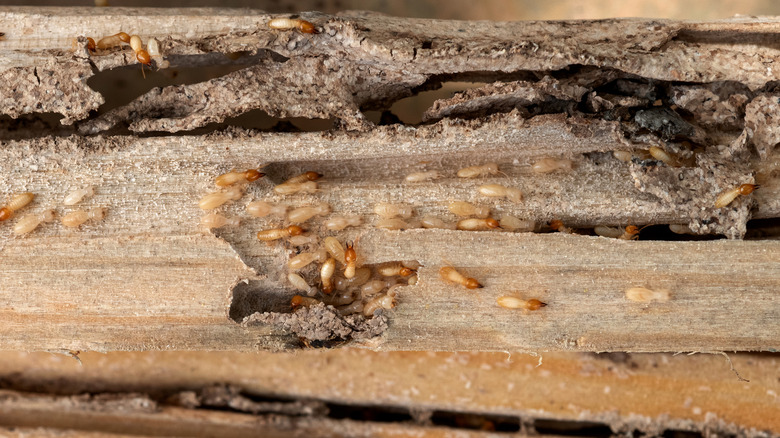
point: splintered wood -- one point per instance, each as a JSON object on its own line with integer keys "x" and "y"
{"x": 579, "y": 130}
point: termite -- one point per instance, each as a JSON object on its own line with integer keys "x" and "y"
{"x": 661, "y": 155}
{"x": 462, "y": 208}
{"x": 299, "y": 283}
{"x": 304, "y": 177}
{"x": 153, "y": 48}
{"x": 631, "y": 232}
{"x": 680, "y": 229}
{"x": 475, "y": 224}
{"x": 730, "y": 195}
{"x": 394, "y": 269}
{"x": 263, "y": 209}
{"x": 279, "y": 233}
{"x": 303, "y": 26}
{"x": 434, "y": 222}
{"x": 305, "y": 259}
{"x": 475, "y": 171}
{"x": 624, "y": 156}
{"x": 450, "y": 274}
{"x": 350, "y": 257}
{"x": 113, "y": 40}
{"x": 422, "y": 176}
{"x": 387, "y": 210}
{"x": 644, "y": 295}
{"x": 29, "y": 222}
{"x": 293, "y": 188}
{"x": 78, "y": 217}
{"x": 17, "y": 202}
{"x": 557, "y": 225}
{"x": 216, "y": 199}
{"x": 334, "y": 248}
{"x": 362, "y": 275}
{"x": 338, "y": 223}
{"x": 511, "y": 223}
{"x": 303, "y": 214}
{"x": 383, "y": 301}
{"x": 511, "y": 302}
{"x": 140, "y": 53}
{"x": 499, "y": 191}
{"x": 392, "y": 224}
{"x": 76, "y": 196}
{"x": 326, "y": 274}
{"x": 302, "y": 240}
{"x": 373, "y": 287}
{"x": 352, "y": 308}
{"x": 230, "y": 178}
{"x": 547, "y": 165}
{"x": 298, "y": 301}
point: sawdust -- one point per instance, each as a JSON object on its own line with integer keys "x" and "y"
{"x": 321, "y": 323}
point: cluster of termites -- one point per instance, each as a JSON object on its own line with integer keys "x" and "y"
{"x": 29, "y": 222}
{"x": 324, "y": 270}
{"x": 144, "y": 55}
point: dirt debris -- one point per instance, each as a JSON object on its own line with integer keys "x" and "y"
{"x": 321, "y": 323}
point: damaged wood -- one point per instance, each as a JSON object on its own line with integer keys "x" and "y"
{"x": 147, "y": 277}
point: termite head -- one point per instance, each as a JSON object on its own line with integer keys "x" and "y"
{"x": 296, "y": 301}
{"x": 306, "y": 27}
{"x": 349, "y": 254}
{"x": 492, "y": 223}
{"x": 746, "y": 189}
{"x": 534, "y": 304}
{"x": 143, "y": 57}
{"x": 472, "y": 283}
{"x": 405, "y": 272}
{"x": 124, "y": 37}
{"x": 295, "y": 230}
{"x": 556, "y": 224}
{"x": 91, "y": 46}
{"x": 253, "y": 175}
{"x": 633, "y": 231}
{"x": 312, "y": 176}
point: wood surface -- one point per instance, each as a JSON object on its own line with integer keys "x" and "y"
{"x": 149, "y": 278}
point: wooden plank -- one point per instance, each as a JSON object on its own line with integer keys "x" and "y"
{"x": 649, "y": 393}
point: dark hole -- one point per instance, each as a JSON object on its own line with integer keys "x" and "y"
{"x": 369, "y": 413}
{"x": 681, "y": 434}
{"x": 427, "y": 44}
{"x": 572, "y": 428}
{"x": 459, "y": 420}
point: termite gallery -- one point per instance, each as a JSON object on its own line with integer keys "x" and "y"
{"x": 512, "y": 302}
{"x": 303, "y": 26}
{"x": 279, "y": 233}
{"x": 451, "y": 275}
{"x": 230, "y": 178}
{"x": 730, "y": 195}
{"x": 17, "y": 202}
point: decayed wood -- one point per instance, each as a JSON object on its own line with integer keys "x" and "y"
{"x": 665, "y": 392}
{"x": 148, "y": 278}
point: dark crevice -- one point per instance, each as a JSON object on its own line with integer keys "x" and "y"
{"x": 572, "y": 428}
